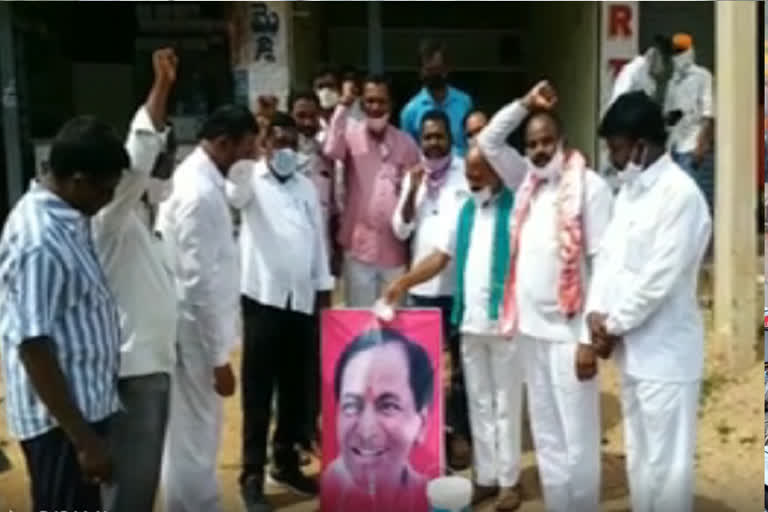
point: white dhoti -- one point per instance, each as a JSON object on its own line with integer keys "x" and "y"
{"x": 494, "y": 381}
{"x": 660, "y": 432}
{"x": 189, "y": 479}
{"x": 565, "y": 424}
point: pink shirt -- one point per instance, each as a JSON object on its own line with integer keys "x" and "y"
{"x": 373, "y": 173}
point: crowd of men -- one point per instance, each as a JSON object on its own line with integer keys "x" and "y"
{"x": 124, "y": 289}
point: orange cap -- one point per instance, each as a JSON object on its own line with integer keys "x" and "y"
{"x": 682, "y": 41}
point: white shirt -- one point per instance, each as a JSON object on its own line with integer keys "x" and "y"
{"x": 430, "y": 216}
{"x": 634, "y": 76}
{"x": 282, "y": 247}
{"x": 477, "y": 271}
{"x": 646, "y": 274}
{"x": 539, "y": 263}
{"x": 197, "y": 221}
{"x": 136, "y": 262}
{"x": 690, "y": 91}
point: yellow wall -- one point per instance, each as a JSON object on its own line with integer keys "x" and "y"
{"x": 563, "y": 47}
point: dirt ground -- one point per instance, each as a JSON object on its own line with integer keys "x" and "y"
{"x": 728, "y": 468}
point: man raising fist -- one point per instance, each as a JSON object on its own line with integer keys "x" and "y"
{"x": 133, "y": 261}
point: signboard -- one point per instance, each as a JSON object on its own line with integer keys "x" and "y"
{"x": 381, "y": 410}
{"x": 618, "y": 45}
{"x": 260, "y": 35}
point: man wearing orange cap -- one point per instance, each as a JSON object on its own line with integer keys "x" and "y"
{"x": 689, "y": 112}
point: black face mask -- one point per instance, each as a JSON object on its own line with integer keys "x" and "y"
{"x": 435, "y": 81}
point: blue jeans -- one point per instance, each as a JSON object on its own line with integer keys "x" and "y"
{"x": 703, "y": 174}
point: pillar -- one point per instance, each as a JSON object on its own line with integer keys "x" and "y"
{"x": 735, "y": 307}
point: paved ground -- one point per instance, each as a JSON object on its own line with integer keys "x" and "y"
{"x": 729, "y": 459}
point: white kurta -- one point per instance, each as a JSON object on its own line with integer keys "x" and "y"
{"x": 197, "y": 222}
{"x": 564, "y": 412}
{"x": 646, "y": 280}
{"x": 492, "y": 372}
{"x": 425, "y": 229}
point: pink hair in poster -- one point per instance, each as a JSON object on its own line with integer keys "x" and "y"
{"x": 381, "y": 410}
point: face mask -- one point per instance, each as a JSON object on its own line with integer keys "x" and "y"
{"x": 551, "y": 168}
{"x": 482, "y": 196}
{"x": 328, "y": 97}
{"x": 159, "y": 190}
{"x": 632, "y": 169}
{"x": 377, "y": 124}
{"x": 437, "y": 164}
{"x": 284, "y": 162}
{"x": 435, "y": 81}
{"x": 682, "y": 61}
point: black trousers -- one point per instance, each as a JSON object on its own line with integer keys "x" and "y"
{"x": 276, "y": 343}
{"x": 456, "y": 408}
{"x": 54, "y": 473}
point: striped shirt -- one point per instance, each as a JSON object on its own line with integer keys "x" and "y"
{"x": 52, "y": 285}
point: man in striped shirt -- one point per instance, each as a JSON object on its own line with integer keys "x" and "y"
{"x": 59, "y": 327}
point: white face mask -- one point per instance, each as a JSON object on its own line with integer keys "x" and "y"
{"x": 551, "y": 168}
{"x": 377, "y": 124}
{"x": 482, "y": 196}
{"x": 328, "y": 98}
{"x": 159, "y": 190}
{"x": 682, "y": 61}
{"x": 632, "y": 169}
{"x": 284, "y": 162}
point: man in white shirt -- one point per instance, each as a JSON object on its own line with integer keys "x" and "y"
{"x": 285, "y": 281}
{"x": 561, "y": 211}
{"x": 478, "y": 240}
{"x": 431, "y": 192}
{"x": 643, "y": 303}
{"x": 689, "y": 111}
{"x": 196, "y": 220}
{"x": 139, "y": 275}
{"x": 649, "y": 72}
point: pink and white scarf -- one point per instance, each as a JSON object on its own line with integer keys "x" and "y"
{"x": 570, "y": 200}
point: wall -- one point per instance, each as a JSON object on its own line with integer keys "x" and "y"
{"x": 562, "y": 43}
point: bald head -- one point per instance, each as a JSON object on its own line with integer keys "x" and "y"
{"x": 478, "y": 171}
{"x": 475, "y": 122}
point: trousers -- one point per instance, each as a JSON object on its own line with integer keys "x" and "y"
{"x": 137, "y": 438}
{"x": 494, "y": 391}
{"x": 364, "y": 283}
{"x": 276, "y": 341}
{"x": 660, "y": 433}
{"x": 189, "y": 479}
{"x": 565, "y": 424}
{"x": 56, "y": 480}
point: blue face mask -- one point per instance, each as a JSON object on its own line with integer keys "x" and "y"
{"x": 284, "y": 162}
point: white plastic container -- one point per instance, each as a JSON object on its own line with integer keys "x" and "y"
{"x": 450, "y": 494}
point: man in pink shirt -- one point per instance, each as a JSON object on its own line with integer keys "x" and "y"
{"x": 375, "y": 156}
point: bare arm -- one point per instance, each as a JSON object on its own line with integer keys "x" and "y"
{"x": 423, "y": 271}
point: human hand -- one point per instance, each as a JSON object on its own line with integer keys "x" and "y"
{"x": 224, "y": 380}
{"x": 94, "y": 459}
{"x": 417, "y": 176}
{"x": 393, "y": 292}
{"x": 165, "y": 62}
{"x": 541, "y": 97}
{"x": 603, "y": 342}
{"x": 586, "y": 362}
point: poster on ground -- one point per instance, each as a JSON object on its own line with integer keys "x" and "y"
{"x": 381, "y": 410}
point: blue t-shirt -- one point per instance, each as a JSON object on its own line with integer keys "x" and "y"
{"x": 457, "y": 105}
